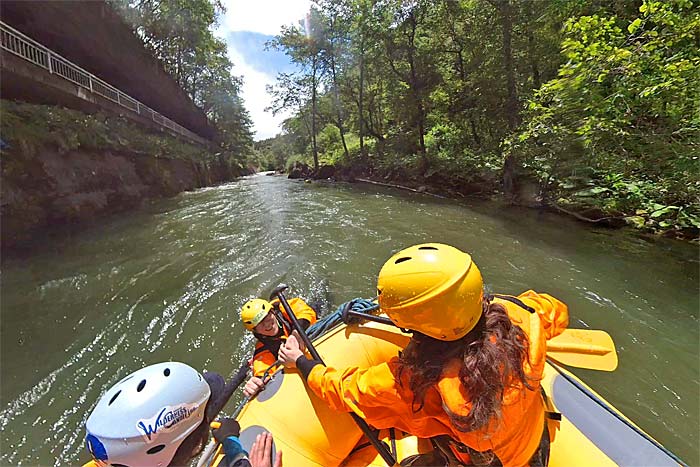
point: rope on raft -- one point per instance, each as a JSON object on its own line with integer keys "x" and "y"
{"x": 334, "y": 319}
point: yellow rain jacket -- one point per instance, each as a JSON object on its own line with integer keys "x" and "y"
{"x": 376, "y": 395}
{"x": 266, "y": 348}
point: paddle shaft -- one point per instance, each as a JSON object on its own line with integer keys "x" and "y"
{"x": 240, "y": 375}
{"x": 205, "y": 457}
{"x": 265, "y": 379}
{"x": 572, "y": 347}
{"x": 371, "y": 436}
{"x": 208, "y": 452}
{"x": 297, "y": 327}
{"x": 368, "y": 317}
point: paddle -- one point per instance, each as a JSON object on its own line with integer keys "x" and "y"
{"x": 239, "y": 376}
{"x": 371, "y": 435}
{"x": 581, "y": 348}
{"x": 207, "y": 454}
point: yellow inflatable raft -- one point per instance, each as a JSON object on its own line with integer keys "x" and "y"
{"x": 591, "y": 432}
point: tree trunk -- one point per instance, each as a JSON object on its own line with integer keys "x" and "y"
{"x": 339, "y": 107}
{"x": 362, "y": 94}
{"x": 313, "y": 114}
{"x": 531, "y": 46}
{"x": 417, "y": 94}
{"x": 510, "y": 164}
{"x": 507, "y": 29}
{"x": 475, "y": 134}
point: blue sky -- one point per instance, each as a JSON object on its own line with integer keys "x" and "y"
{"x": 245, "y": 27}
{"x": 251, "y": 47}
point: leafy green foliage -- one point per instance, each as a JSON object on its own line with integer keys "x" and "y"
{"x": 594, "y": 101}
{"x": 179, "y": 33}
{"x": 623, "y": 109}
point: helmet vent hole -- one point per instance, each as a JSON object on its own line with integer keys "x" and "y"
{"x": 141, "y": 385}
{"x": 427, "y": 248}
{"x": 114, "y": 397}
{"x": 401, "y": 260}
{"x": 156, "y": 449}
{"x": 166, "y": 372}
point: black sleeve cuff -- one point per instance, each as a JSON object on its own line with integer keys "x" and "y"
{"x": 305, "y": 365}
{"x": 304, "y": 323}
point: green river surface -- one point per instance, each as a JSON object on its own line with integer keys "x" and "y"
{"x": 84, "y": 309}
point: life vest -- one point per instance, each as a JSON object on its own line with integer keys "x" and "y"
{"x": 266, "y": 347}
{"x": 376, "y": 394}
{"x": 488, "y": 457}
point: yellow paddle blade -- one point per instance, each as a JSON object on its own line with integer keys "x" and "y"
{"x": 583, "y": 348}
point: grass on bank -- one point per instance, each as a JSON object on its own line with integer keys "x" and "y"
{"x": 31, "y": 127}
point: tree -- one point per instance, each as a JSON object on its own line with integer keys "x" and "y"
{"x": 179, "y": 34}
{"x": 460, "y": 92}
{"x": 303, "y": 46}
{"x": 412, "y": 64}
{"x": 625, "y": 104}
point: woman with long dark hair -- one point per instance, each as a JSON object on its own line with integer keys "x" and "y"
{"x": 471, "y": 371}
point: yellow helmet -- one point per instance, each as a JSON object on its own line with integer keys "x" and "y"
{"x": 432, "y": 288}
{"x": 254, "y": 311}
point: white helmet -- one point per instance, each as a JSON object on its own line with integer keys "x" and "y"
{"x": 142, "y": 419}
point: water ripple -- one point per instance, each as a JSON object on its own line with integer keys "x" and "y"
{"x": 166, "y": 283}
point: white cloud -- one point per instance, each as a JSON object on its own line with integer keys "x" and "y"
{"x": 265, "y": 125}
{"x": 263, "y": 16}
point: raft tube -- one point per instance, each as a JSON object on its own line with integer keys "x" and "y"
{"x": 591, "y": 431}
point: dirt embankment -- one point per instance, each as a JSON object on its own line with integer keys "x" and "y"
{"x": 63, "y": 167}
{"x": 55, "y": 187}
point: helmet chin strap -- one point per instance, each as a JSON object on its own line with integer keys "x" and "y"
{"x": 263, "y": 337}
{"x": 281, "y": 322}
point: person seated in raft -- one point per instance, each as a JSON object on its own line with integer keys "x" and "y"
{"x": 471, "y": 370}
{"x": 270, "y": 324}
{"x": 160, "y": 415}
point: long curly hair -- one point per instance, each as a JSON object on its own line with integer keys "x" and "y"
{"x": 492, "y": 356}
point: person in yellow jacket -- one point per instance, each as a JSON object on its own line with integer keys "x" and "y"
{"x": 471, "y": 371}
{"x": 270, "y": 324}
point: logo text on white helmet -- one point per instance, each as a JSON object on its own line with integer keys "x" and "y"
{"x": 165, "y": 420}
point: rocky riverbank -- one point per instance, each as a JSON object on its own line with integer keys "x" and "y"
{"x": 524, "y": 193}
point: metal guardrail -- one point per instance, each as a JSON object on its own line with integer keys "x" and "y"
{"x": 25, "y": 47}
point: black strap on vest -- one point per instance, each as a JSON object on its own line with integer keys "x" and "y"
{"x": 517, "y": 301}
{"x": 271, "y": 343}
{"x": 549, "y": 412}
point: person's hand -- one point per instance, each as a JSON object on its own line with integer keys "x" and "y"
{"x": 300, "y": 341}
{"x": 261, "y": 452}
{"x": 229, "y": 427}
{"x": 289, "y": 352}
{"x": 252, "y": 387}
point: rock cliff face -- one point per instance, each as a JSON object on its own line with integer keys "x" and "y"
{"x": 55, "y": 187}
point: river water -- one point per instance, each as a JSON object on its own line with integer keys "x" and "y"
{"x": 165, "y": 283}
